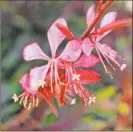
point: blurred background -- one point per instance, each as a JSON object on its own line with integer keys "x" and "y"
{"x": 27, "y": 21}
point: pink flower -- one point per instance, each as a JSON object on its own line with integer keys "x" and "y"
{"x": 30, "y": 97}
{"x": 75, "y": 78}
{"x": 89, "y": 43}
{"x": 55, "y": 36}
{"x": 37, "y": 77}
{"x": 75, "y": 85}
{"x": 93, "y": 41}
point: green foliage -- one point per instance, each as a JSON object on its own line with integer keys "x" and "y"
{"x": 106, "y": 93}
{"x": 50, "y": 119}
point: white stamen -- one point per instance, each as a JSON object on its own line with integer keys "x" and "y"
{"x": 86, "y": 102}
{"x": 21, "y": 100}
{"x": 91, "y": 99}
{"x": 40, "y": 83}
{"x": 73, "y": 101}
{"x": 25, "y": 102}
{"x": 75, "y": 89}
{"x": 15, "y": 97}
{"x": 76, "y": 77}
{"x": 123, "y": 66}
{"x": 29, "y": 105}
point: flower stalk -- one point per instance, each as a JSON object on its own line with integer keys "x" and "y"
{"x": 97, "y": 18}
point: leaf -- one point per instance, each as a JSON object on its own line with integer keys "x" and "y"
{"x": 106, "y": 93}
{"x": 50, "y": 119}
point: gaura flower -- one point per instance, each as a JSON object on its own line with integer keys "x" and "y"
{"x": 75, "y": 85}
{"x": 38, "y": 75}
{"x": 89, "y": 43}
{"x": 30, "y": 97}
{"x": 75, "y": 78}
{"x": 33, "y": 51}
{"x": 93, "y": 41}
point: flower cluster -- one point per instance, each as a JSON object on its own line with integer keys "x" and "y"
{"x": 65, "y": 74}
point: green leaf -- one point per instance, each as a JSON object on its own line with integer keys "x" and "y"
{"x": 106, "y": 93}
{"x": 50, "y": 119}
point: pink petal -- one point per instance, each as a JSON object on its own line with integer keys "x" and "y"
{"x": 59, "y": 64}
{"x": 38, "y": 74}
{"x": 90, "y": 81}
{"x": 90, "y": 15}
{"x": 87, "y": 46}
{"x": 88, "y": 76}
{"x": 55, "y": 36}
{"x": 107, "y": 19}
{"x": 33, "y": 51}
{"x": 109, "y": 51}
{"x": 87, "y": 61}
{"x": 72, "y": 51}
{"x": 24, "y": 80}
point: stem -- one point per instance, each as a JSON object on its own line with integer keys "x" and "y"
{"x": 19, "y": 118}
{"x": 97, "y": 18}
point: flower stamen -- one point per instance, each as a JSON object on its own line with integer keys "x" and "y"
{"x": 108, "y": 54}
{"x": 40, "y": 84}
{"x": 29, "y": 107}
{"x": 21, "y": 99}
{"x": 76, "y": 77}
{"x": 73, "y": 101}
{"x": 26, "y": 99}
{"x": 91, "y": 99}
{"x": 123, "y": 66}
{"x": 15, "y": 97}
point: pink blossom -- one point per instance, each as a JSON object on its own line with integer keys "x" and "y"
{"x": 75, "y": 78}
{"x": 37, "y": 77}
{"x": 55, "y": 36}
{"x": 93, "y": 41}
{"x": 30, "y": 97}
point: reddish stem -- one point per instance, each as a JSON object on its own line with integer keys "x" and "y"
{"x": 97, "y": 18}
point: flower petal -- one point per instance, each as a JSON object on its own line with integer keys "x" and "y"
{"x": 87, "y": 61}
{"x": 38, "y": 74}
{"x": 33, "y": 51}
{"x": 55, "y": 36}
{"x": 87, "y": 46}
{"x": 72, "y": 50}
{"x": 88, "y": 76}
{"x": 90, "y": 15}
{"x": 24, "y": 80}
{"x": 107, "y": 50}
{"x": 107, "y": 19}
